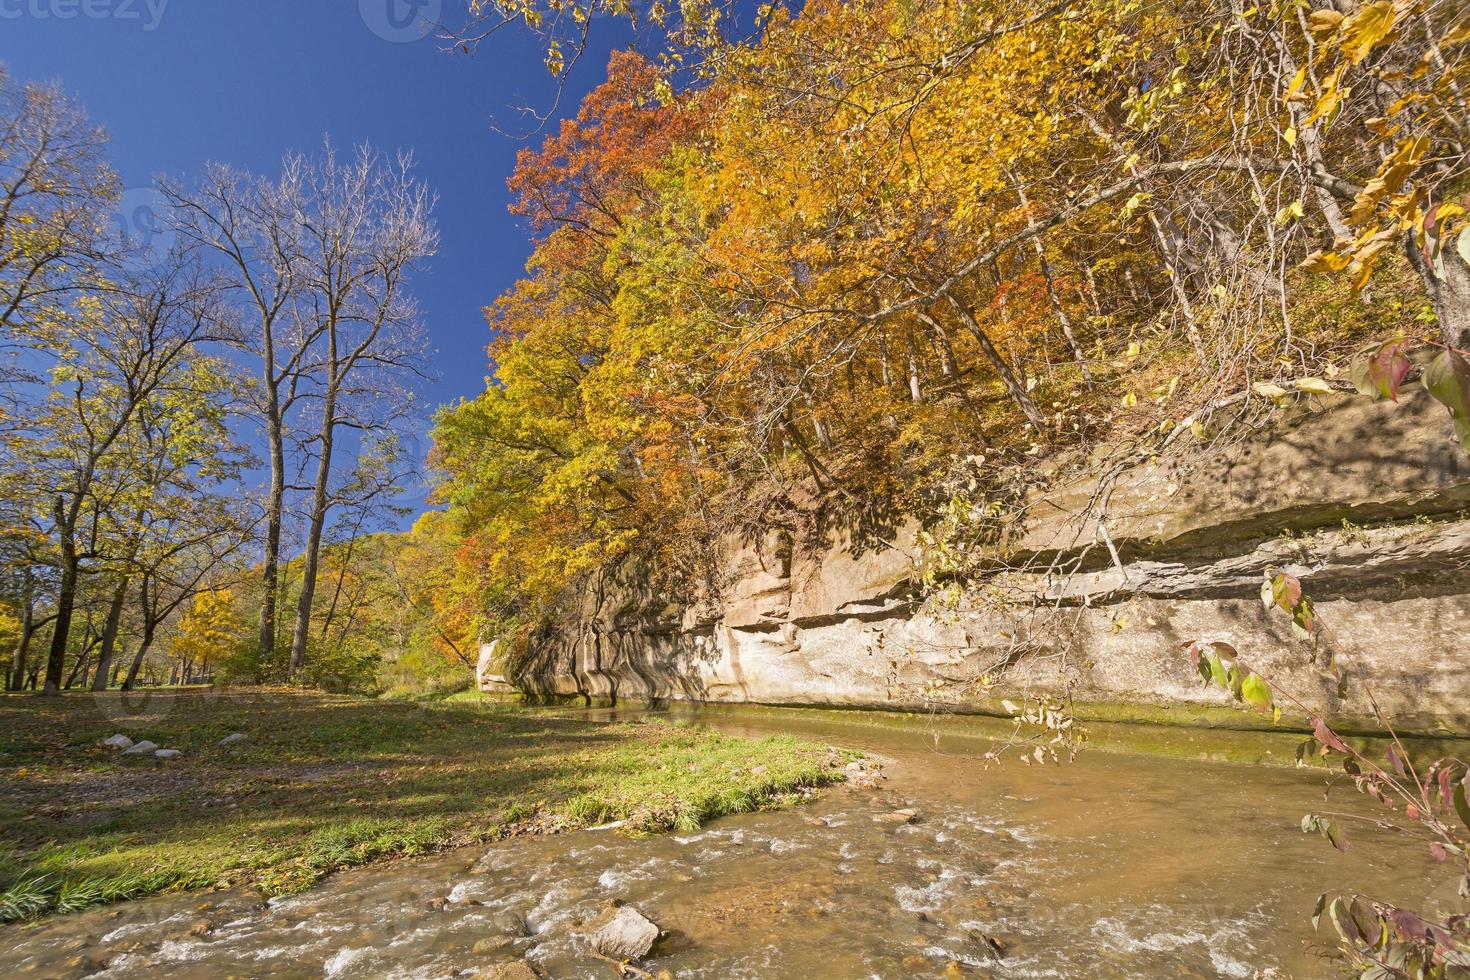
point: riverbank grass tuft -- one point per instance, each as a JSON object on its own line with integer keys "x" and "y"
{"x": 323, "y": 783}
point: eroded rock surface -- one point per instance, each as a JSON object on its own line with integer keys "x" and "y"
{"x": 1369, "y": 503}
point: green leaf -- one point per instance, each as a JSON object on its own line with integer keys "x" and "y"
{"x": 1462, "y": 807}
{"x": 1256, "y": 691}
{"x": 1219, "y": 673}
{"x": 1447, "y": 378}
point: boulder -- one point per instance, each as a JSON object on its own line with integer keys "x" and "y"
{"x": 232, "y": 739}
{"x": 627, "y": 935}
{"x": 898, "y": 816}
{"x": 168, "y": 753}
{"x": 118, "y": 741}
{"x": 141, "y": 748}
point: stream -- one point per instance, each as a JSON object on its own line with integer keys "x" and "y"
{"x": 1113, "y": 866}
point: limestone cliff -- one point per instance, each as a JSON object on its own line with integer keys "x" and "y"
{"x": 1365, "y": 501}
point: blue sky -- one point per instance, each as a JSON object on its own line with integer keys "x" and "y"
{"x": 181, "y": 82}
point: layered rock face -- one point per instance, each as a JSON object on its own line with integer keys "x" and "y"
{"x": 1366, "y": 502}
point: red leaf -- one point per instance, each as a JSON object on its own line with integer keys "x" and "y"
{"x": 1410, "y": 926}
{"x": 1293, "y": 590}
{"x": 1327, "y": 737}
{"x": 1388, "y": 369}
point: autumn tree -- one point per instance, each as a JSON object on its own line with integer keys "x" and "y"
{"x": 368, "y": 224}
{"x": 56, "y": 194}
{"x": 130, "y": 349}
{"x": 207, "y": 633}
{"x": 318, "y": 260}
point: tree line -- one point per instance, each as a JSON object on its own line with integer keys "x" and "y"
{"x": 879, "y": 250}
{"x": 162, "y": 359}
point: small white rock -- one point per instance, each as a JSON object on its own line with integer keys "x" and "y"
{"x": 119, "y": 741}
{"x": 232, "y": 739}
{"x": 628, "y": 935}
{"x": 168, "y": 753}
{"x": 141, "y": 748}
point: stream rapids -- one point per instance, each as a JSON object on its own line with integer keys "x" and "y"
{"x": 1112, "y": 866}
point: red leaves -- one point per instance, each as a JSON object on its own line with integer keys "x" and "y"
{"x": 591, "y": 169}
{"x": 1284, "y": 591}
{"x": 1379, "y": 372}
{"x": 1327, "y": 736}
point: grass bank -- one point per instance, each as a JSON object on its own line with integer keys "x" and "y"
{"x": 325, "y": 782}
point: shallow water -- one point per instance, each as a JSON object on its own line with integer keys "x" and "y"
{"x": 1114, "y": 866}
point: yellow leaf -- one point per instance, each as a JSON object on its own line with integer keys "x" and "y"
{"x": 1323, "y": 21}
{"x": 1292, "y": 212}
{"x": 1315, "y": 386}
{"x": 1361, "y": 32}
{"x": 1297, "y": 81}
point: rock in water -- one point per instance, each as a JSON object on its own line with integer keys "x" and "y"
{"x": 141, "y": 748}
{"x": 119, "y": 741}
{"x": 519, "y": 970}
{"x": 168, "y": 753}
{"x": 628, "y": 935}
{"x": 232, "y": 739}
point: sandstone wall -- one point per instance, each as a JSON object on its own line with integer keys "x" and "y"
{"x": 1365, "y": 501}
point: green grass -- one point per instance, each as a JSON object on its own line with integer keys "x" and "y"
{"x": 329, "y": 782}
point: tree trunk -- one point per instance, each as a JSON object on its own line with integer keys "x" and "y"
{"x": 1449, "y": 293}
{"x": 310, "y": 560}
{"x": 1014, "y": 387}
{"x": 16, "y": 679}
{"x": 275, "y": 507}
{"x": 131, "y": 680}
{"x": 109, "y": 637}
{"x": 66, "y": 599}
